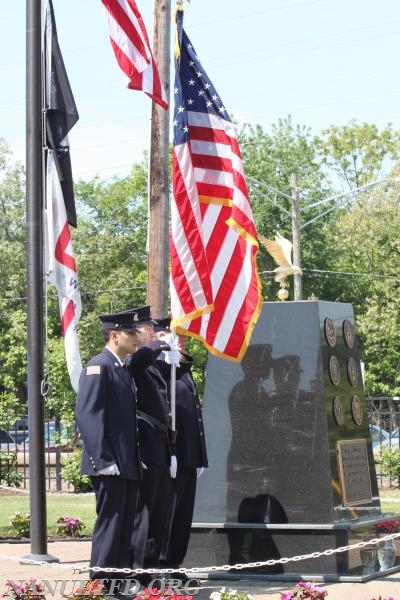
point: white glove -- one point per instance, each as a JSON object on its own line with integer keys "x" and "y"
{"x": 172, "y": 357}
{"x": 173, "y": 467}
{"x": 144, "y": 466}
{"x": 110, "y": 470}
{"x": 200, "y": 471}
{"x": 171, "y": 340}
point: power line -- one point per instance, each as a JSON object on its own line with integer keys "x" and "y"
{"x": 53, "y": 293}
{"x": 352, "y": 274}
{"x": 143, "y": 287}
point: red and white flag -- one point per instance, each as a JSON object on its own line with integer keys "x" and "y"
{"x": 215, "y": 288}
{"x": 132, "y": 50}
{"x": 60, "y": 115}
{"x": 61, "y": 270}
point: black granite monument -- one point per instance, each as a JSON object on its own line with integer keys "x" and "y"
{"x": 291, "y": 463}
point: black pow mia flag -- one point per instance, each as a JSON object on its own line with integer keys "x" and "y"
{"x": 61, "y": 113}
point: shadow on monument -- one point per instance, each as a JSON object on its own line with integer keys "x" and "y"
{"x": 249, "y": 545}
{"x": 243, "y": 470}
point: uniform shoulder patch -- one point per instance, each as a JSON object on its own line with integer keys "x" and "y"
{"x": 93, "y": 370}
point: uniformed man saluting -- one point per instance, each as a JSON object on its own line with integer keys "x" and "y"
{"x": 106, "y": 418}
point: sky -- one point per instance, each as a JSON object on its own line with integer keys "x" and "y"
{"x": 324, "y": 62}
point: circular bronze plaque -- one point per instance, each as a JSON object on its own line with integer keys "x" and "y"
{"x": 330, "y": 333}
{"x": 334, "y": 370}
{"x": 352, "y": 371}
{"x": 348, "y": 333}
{"x": 338, "y": 411}
{"x": 356, "y": 410}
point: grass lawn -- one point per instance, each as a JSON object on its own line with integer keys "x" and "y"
{"x": 57, "y": 506}
{"x": 84, "y": 508}
{"x": 390, "y": 493}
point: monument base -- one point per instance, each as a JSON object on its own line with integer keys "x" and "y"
{"x": 214, "y": 545}
{"x": 357, "y": 575}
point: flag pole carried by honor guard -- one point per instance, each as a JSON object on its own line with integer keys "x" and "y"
{"x": 173, "y": 393}
{"x": 173, "y": 367}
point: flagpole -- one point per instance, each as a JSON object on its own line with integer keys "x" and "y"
{"x": 34, "y": 280}
{"x": 158, "y": 240}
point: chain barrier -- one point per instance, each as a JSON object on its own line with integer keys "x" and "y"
{"x": 49, "y": 493}
{"x": 238, "y": 566}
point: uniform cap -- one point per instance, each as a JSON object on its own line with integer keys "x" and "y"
{"x": 163, "y": 324}
{"x": 127, "y": 320}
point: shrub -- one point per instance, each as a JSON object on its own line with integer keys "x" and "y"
{"x": 20, "y": 523}
{"x": 9, "y": 469}
{"x": 390, "y": 463}
{"x": 225, "y": 594}
{"x": 70, "y": 526}
{"x": 31, "y": 589}
{"x": 304, "y": 590}
{"x": 91, "y": 589}
{"x": 72, "y": 472}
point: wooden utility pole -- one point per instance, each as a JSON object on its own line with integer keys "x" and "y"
{"x": 158, "y": 226}
{"x": 298, "y": 293}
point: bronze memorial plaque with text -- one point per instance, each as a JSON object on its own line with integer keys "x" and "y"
{"x": 354, "y": 471}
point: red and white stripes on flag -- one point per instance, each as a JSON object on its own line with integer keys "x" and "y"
{"x": 132, "y": 50}
{"x": 215, "y": 288}
{"x": 61, "y": 269}
{"x": 60, "y": 116}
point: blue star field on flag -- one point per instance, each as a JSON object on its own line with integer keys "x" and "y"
{"x": 193, "y": 89}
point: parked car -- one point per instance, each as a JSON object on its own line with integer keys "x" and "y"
{"x": 19, "y": 429}
{"x": 378, "y": 436}
{"x": 7, "y": 442}
{"x": 64, "y": 440}
{"x": 393, "y": 440}
{"x": 53, "y": 439}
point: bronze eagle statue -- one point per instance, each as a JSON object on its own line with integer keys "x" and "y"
{"x": 281, "y": 251}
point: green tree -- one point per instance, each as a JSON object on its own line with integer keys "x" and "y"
{"x": 378, "y": 329}
{"x": 12, "y": 277}
{"x": 365, "y": 243}
{"x": 8, "y": 410}
{"x": 269, "y": 160}
{"x": 109, "y": 248}
{"x": 358, "y": 153}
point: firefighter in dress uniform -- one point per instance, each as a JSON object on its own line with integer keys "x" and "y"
{"x": 191, "y": 456}
{"x": 107, "y": 421}
{"x": 153, "y": 423}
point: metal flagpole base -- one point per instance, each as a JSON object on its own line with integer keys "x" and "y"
{"x": 49, "y": 558}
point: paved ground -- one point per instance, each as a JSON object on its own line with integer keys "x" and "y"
{"x": 74, "y": 554}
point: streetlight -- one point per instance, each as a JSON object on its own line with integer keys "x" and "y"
{"x": 361, "y": 188}
{"x": 296, "y": 210}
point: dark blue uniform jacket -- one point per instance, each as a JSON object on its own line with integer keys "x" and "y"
{"x": 106, "y": 417}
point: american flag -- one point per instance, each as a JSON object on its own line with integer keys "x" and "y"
{"x": 215, "y": 288}
{"x": 131, "y": 47}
